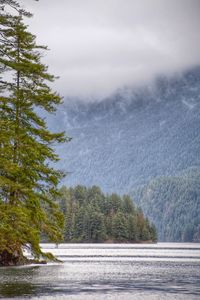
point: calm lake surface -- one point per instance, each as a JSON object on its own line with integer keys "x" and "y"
{"x": 109, "y": 271}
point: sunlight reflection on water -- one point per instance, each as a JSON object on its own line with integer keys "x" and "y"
{"x": 100, "y": 271}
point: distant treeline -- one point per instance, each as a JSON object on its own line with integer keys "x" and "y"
{"x": 91, "y": 216}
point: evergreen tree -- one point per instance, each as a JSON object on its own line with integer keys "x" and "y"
{"x": 132, "y": 227}
{"x": 153, "y": 233}
{"x": 90, "y": 216}
{"x": 28, "y": 182}
{"x": 80, "y": 193}
{"x": 128, "y": 206}
{"x": 119, "y": 230}
{"x": 79, "y": 234}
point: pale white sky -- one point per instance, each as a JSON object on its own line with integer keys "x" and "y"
{"x": 98, "y": 46}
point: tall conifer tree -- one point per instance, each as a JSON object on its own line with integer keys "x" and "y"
{"x": 28, "y": 182}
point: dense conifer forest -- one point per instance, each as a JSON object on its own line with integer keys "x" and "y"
{"x": 92, "y": 216}
{"x": 173, "y": 203}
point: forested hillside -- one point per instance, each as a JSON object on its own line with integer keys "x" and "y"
{"x": 91, "y": 216}
{"x": 134, "y": 136}
{"x": 173, "y": 203}
{"x": 140, "y": 133}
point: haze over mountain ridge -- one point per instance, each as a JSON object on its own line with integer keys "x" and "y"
{"x": 133, "y": 134}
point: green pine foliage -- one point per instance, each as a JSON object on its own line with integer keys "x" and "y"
{"x": 28, "y": 182}
{"x": 91, "y": 216}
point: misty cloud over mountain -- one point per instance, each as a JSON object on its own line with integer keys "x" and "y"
{"x": 133, "y": 136}
{"x": 98, "y": 46}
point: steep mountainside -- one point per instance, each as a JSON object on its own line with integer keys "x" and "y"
{"x": 134, "y": 136}
{"x": 173, "y": 203}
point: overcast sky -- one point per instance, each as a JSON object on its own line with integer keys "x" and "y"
{"x": 98, "y": 46}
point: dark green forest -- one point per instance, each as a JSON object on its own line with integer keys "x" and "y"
{"x": 92, "y": 216}
{"x": 173, "y": 203}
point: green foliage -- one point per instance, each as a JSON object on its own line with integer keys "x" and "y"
{"x": 173, "y": 203}
{"x": 91, "y": 216}
{"x": 28, "y": 182}
{"x": 119, "y": 227}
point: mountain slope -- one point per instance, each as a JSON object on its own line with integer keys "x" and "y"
{"x": 173, "y": 203}
{"x": 133, "y": 136}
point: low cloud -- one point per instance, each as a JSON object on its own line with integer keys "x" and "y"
{"x": 98, "y": 46}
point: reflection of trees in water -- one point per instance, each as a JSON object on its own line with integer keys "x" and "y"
{"x": 21, "y": 284}
{"x": 17, "y": 289}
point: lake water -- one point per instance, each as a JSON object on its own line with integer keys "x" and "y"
{"x": 109, "y": 271}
